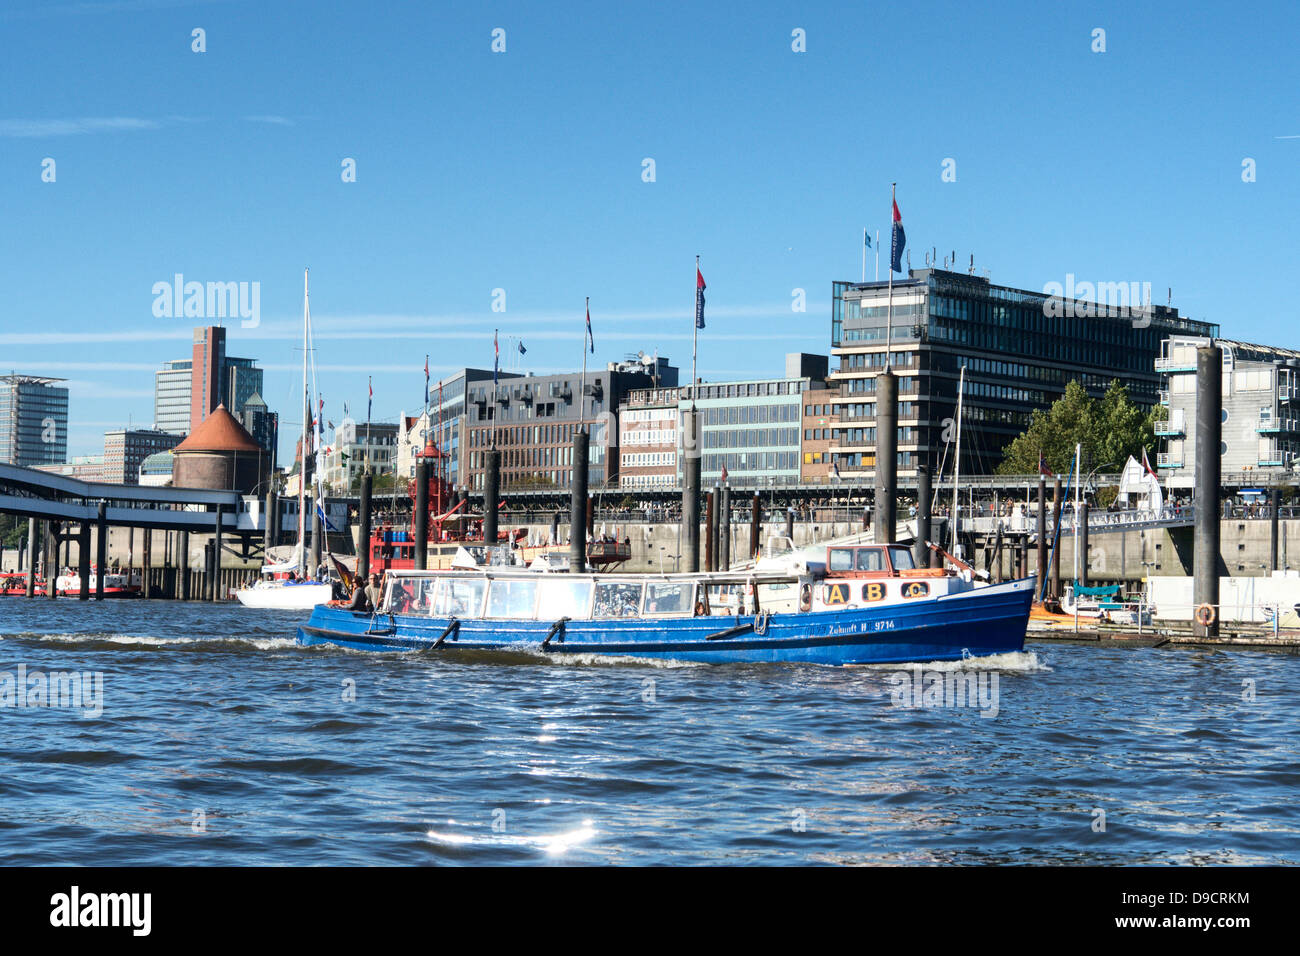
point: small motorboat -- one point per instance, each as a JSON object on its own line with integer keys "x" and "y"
{"x": 861, "y": 604}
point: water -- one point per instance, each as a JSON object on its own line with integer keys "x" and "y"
{"x": 523, "y": 759}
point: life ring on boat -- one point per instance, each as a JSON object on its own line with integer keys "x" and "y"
{"x": 700, "y": 609}
{"x": 1205, "y": 615}
{"x": 805, "y": 597}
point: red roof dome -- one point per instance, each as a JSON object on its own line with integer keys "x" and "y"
{"x": 218, "y": 432}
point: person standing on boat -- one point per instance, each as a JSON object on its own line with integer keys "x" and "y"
{"x": 374, "y": 592}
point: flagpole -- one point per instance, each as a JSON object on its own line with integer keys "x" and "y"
{"x": 582, "y": 390}
{"x": 369, "y": 394}
{"x": 864, "y": 253}
{"x": 695, "y": 335}
{"x": 496, "y": 359}
{"x": 878, "y": 252}
{"x": 889, "y": 317}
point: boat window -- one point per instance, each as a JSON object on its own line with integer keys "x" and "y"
{"x": 870, "y": 559}
{"x": 617, "y": 600}
{"x": 564, "y": 598}
{"x": 663, "y": 597}
{"x": 901, "y": 559}
{"x": 459, "y": 597}
{"x": 512, "y": 599}
{"x": 401, "y": 597}
{"x": 841, "y": 559}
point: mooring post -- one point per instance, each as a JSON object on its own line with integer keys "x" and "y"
{"x": 709, "y": 531}
{"x": 492, "y": 494}
{"x": 183, "y": 564}
{"x": 363, "y": 519}
{"x": 921, "y": 551}
{"x": 578, "y": 502}
{"x": 269, "y": 526}
{"x": 1209, "y": 402}
{"x": 555, "y": 528}
{"x": 691, "y": 489}
{"x": 724, "y": 531}
{"x": 101, "y": 547}
{"x": 421, "y": 514}
{"x": 1056, "y": 536}
{"x": 317, "y": 530}
{"x": 83, "y": 561}
{"x": 886, "y": 516}
{"x": 31, "y": 557}
{"x": 1274, "y": 506}
{"x": 146, "y": 560}
{"x": 789, "y": 522}
{"x": 51, "y": 558}
{"x": 755, "y": 517}
{"x": 216, "y": 557}
{"x": 1041, "y": 583}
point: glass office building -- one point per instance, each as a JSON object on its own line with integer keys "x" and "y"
{"x": 33, "y": 421}
{"x": 1020, "y": 349}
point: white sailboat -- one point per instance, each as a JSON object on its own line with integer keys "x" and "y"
{"x": 299, "y": 593}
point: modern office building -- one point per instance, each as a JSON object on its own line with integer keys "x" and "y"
{"x": 820, "y": 415}
{"x": 1020, "y": 349}
{"x": 753, "y": 428}
{"x": 186, "y": 391}
{"x": 125, "y": 450}
{"x": 1260, "y": 416}
{"x": 260, "y": 422}
{"x": 33, "y": 420}
{"x": 532, "y": 420}
{"x": 81, "y": 467}
{"x": 444, "y": 421}
{"x": 171, "y": 396}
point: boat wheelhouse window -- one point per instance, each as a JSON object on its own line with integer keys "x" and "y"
{"x": 512, "y": 599}
{"x": 564, "y": 598}
{"x": 871, "y": 559}
{"x": 841, "y": 559}
{"x": 901, "y": 559}
{"x": 664, "y": 597}
{"x": 617, "y": 600}
{"x": 459, "y": 597}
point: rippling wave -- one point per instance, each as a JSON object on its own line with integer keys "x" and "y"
{"x": 222, "y": 741}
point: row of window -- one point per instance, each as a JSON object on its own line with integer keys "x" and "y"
{"x": 752, "y": 461}
{"x": 751, "y": 437}
{"x": 750, "y": 414}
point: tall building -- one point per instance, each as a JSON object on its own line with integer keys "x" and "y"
{"x": 171, "y": 396}
{"x": 260, "y": 422}
{"x": 125, "y": 450}
{"x": 649, "y": 439}
{"x": 33, "y": 421}
{"x": 414, "y": 432}
{"x": 532, "y": 420}
{"x": 186, "y": 391}
{"x": 1020, "y": 349}
{"x": 1260, "y": 415}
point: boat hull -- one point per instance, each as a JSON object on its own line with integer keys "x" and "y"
{"x": 288, "y": 597}
{"x": 975, "y": 623}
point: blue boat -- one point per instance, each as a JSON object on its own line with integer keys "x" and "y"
{"x": 863, "y": 605}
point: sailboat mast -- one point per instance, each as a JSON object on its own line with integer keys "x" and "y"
{"x": 956, "y": 458}
{"x": 302, "y": 467}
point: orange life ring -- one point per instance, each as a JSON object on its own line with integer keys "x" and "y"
{"x": 1205, "y": 615}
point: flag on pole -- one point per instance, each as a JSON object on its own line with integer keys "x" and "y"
{"x": 1146, "y": 463}
{"x": 522, "y": 350}
{"x": 699, "y": 297}
{"x": 370, "y": 400}
{"x": 835, "y": 469}
{"x": 591, "y": 342}
{"x": 426, "y": 380}
{"x": 867, "y": 236}
{"x": 724, "y": 474}
{"x": 897, "y": 241}
{"x": 1042, "y": 466}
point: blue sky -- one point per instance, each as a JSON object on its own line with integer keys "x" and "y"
{"x": 522, "y": 171}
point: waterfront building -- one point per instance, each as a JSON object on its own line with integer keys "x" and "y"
{"x": 753, "y": 428}
{"x": 1020, "y": 349}
{"x": 220, "y": 455}
{"x": 1260, "y": 415}
{"x": 33, "y": 420}
{"x": 415, "y": 432}
{"x": 156, "y": 470}
{"x": 355, "y": 444}
{"x": 649, "y": 439}
{"x": 125, "y": 450}
{"x": 532, "y": 420}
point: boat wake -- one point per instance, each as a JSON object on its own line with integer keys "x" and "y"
{"x": 143, "y": 640}
{"x": 1013, "y": 662}
{"x": 553, "y": 844}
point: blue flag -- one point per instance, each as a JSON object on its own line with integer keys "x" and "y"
{"x": 897, "y": 241}
{"x": 699, "y": 298}
{"x": 867, "y": 236}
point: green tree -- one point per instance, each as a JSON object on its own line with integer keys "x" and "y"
{"x": 1109, "y": 429}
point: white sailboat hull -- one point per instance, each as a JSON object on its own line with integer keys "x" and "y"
{"x": 284, "y": 596}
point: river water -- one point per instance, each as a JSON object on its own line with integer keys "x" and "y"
{"x": 216, "y": 739}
